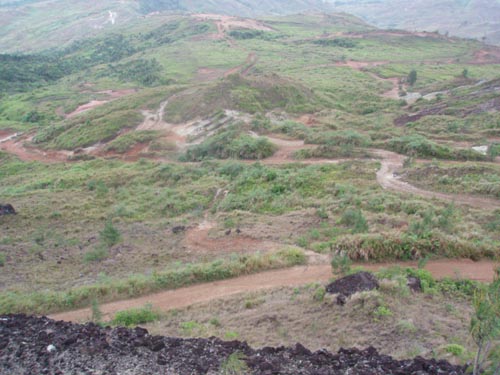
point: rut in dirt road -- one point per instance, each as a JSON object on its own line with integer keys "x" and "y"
{"x": 296, "y": 276}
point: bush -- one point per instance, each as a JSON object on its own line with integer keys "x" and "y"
{"x": 134, "y": 317}
{"x": 319, "y": 294}
{"x": 355, "y": 220}
{"x": 416, "y": 145}
{"x": 341, "y": 264}
{"x": 2, "y": 259}
{"x": 454, "y": 349}
{"x": 389, "y": 247}
{"x": 231, "y": 144}
{"x": 109, "y": 235}
{"x": 382, "y": 312}
{"x": 96, "y": 255}
{"x": 235, "y": 365}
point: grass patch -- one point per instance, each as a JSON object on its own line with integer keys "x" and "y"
{"x": 407, "y": 247}
{"x": 134, "y": 317}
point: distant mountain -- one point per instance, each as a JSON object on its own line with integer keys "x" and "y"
{"x": 27, "y": 25}
{"x": 465, "y": 18}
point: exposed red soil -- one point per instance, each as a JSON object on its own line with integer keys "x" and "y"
{"x": 112, "y": 95}
{"x": 200, "y": 240}
{"x": 86, "y": 107}
{"x": 207, "y": 75}
{"x": 244, "y": 68}
{"x": 487, "y": 55}
{"x": 26, "y": 153}
{"x": 296, "y": 276}
{"x": 226, "y": 23}
{"x": 359, "y": 65}
{"x": 307, "y": 120}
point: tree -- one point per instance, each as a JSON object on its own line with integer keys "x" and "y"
{"x": 412, "y": 77}
{"x": 465, "y": 73}
{"x": 485, "y": 328}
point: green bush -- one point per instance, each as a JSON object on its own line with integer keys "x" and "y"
{"x": 417, "y": 145}
{"x": 110, "y": 235}
{"x": 390, "y": 247}
{"x": 341, "y": 264}
{"x": 382, "y": 312}
{"x": 231, "y": 143}
{"x": 339, "y": 138}
{"x": 235, "y": 365}
{"x": 454, "y": 349}
{"x": 356, "y": 220}
{"x": 2, "y": 259}
{"x": 125, "y": 142}
{"x": 96, "y": 255}
{"x": 134, "y": 317}
{"x": 319, "y": 294}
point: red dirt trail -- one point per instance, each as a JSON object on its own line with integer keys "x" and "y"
{"x": 296, "y": 276}
{"x": 387, "y": 178}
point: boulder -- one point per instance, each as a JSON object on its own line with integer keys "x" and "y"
{"x": 7, "y": 209}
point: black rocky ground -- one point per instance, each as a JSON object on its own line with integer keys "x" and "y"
{"x": 33, "y": 345}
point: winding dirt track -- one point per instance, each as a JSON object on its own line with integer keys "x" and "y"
{"x": 296, "y": 276}
{"x": 387, "y": 178}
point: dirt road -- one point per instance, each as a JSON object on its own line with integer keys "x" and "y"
{"x": 387, "y": 178}
{"x": 296, "y": 276}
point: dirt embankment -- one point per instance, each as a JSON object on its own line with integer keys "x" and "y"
{"x": 296, "y": 276}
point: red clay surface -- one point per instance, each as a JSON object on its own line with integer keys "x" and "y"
{"x": 296, "y": 276}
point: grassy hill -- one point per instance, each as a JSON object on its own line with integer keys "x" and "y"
{"x": 183, "y": 148}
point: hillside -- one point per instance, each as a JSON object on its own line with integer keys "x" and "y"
{"x": 477, "y": 19}
{"x": 40, "y": 24}
{"x": 178, "y": 150}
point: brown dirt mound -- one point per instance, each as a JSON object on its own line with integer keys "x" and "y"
{"x": 32, "y": 345}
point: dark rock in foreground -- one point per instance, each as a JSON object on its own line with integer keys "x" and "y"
{"x": 31, "y": 345}
{"x": 348, "y": 285}
{"x": 7, "y": 209}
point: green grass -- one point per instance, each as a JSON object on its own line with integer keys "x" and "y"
{"x": 134, "y": 317}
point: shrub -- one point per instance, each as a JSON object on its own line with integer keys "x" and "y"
{"x": 133, "y": 317}
{"x": 230, "y": 143}
{"x": 235, "y": 365}
{"x": 355, "y": 220}
{"x": 109, "y": 235}
{"x": 96, "y": 255}
{"x": 389, "y": 247}
{"x": 319, "y": 293}
{"x": 382, "y": 312}
{"x": 96, "y": 316}
{"x": 188, "y": 328}
{"x": 406, "y": 327}
{"x": 2, "y": 259}
{"x": 454, "y": 349}
{"x": 341, "y": 264}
